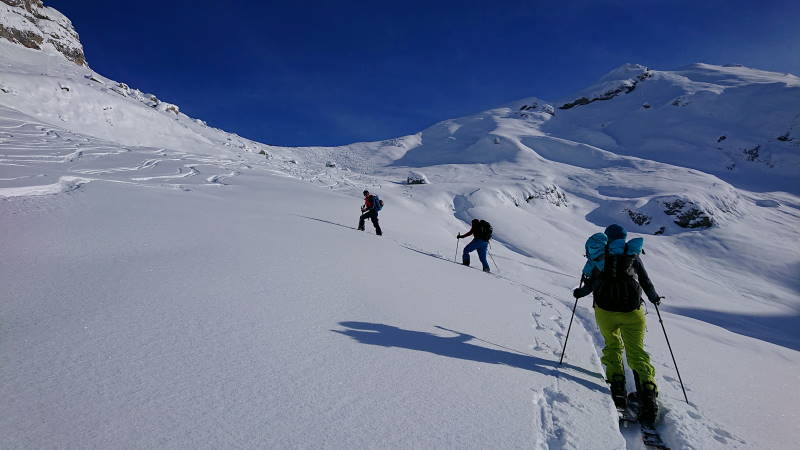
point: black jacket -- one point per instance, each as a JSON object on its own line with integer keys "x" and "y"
{"x": 594, "y": 284}
{"x": 476, "y": 231}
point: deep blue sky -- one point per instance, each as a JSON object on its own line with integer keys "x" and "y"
{"x": 328, "y": 73}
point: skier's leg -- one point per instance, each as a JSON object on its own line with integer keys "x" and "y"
{"x": 468, "y": 248}
{"x": 361, "y": 221}
{"x": 633, "y": 333}
{"x": 482, "y": 249}
{"x": 374, "y": 218}
{"x": 633, "y": 330}
{"x": 608, "y": 323}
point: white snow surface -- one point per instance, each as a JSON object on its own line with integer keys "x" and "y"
{"x": 167, "y": 286}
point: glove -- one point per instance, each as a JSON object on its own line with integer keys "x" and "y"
{"x": 459, "y": 236}
{"x": 656, "y": 301}
{"x": 576, "y": 293}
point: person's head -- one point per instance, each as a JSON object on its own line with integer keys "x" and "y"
{"x": 366, "y": 193}
{"x": 475, "y": 221}
{"x": 615, "y": 232}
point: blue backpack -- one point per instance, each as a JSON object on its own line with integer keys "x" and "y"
{"x": 619, "y": 290}
{"x": 377, "y": 204}
{"x": 597, "y": 247}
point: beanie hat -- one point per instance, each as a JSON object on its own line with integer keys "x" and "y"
{"x": 615, "y": 232}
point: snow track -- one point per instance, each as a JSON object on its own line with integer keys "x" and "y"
{"x": 38, "y": 152}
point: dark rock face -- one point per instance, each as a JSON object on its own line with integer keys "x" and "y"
{"x": 625, "y": 88}
{"x": 27, "y": 38}
{"x": 752, "y": 154}
{"x": 687, "y": 214}
{"x": 638, "y": 218}
{"x": 30, "y": 24}
{"x": 73, "y": 54}
{"x": 551, "y": 193}
{"x": 29, "y": 5}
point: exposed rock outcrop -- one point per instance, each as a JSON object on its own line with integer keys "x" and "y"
{"x": 551, "y": 193}
{"x": 623, "y": 87}
{"x": 417, "y": 178}
{"x": 687, "y": 214}
{"x": 35, "y": 26}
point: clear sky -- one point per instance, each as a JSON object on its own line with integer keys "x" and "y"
{"x": 335, "y": 72}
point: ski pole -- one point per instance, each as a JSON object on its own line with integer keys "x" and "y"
{"x": 455, "y": 258}
{"x": 570, "y": 326}
{"x": 670, "y": 352}
{"x": 490, "y": 256}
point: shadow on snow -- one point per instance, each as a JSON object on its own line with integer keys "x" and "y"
{"x": 326, "y": 221}
{"x": 459, "y": 347}
{"x": 777, "y": 329}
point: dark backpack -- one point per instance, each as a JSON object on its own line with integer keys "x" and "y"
{"x": 484, "y": 230}
{"x": 619, "y": 290}
{"x": 377, "y": 204}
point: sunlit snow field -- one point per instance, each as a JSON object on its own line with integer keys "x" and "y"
{"x": 168, "y": 286}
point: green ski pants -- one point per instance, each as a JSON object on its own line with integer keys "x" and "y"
{"x": 624, "y": 331}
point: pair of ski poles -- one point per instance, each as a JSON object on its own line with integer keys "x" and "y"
{"x": 455, "y": 257}
{"x": 662, "y": 327}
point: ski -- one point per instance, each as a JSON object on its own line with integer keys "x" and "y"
{"x": 650, "y": 436}
{"x": 626, "y": 417}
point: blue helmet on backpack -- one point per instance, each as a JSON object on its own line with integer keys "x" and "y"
{"x": 611, "y": 242}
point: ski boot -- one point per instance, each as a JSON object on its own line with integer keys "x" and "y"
{"x": 618, "y": 392}
{"x": 648, "y": 407}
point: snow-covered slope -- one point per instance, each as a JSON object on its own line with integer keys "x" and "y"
{"x": 740, "y": 124}
{"x": 173, "y": 285}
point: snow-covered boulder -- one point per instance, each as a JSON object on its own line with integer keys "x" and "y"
{"x": 93, "y": 77}
{"x": 417, "y": 178}
{"x": 549, "y": 193}
{"x": 168, "y": 107}
{"x": 121, "y": 89}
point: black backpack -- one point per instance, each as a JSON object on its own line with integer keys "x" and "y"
{"x": 484, "y": 230}
{"x": 619, "y": 290}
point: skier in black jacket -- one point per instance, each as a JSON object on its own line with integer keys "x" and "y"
{"x": 480, "y": 243}
{"x": 620, "y": 315}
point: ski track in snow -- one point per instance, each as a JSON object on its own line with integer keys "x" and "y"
{"x": 77, "y": 160}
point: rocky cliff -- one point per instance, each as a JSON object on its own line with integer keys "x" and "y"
{"x": 30, "y": 23}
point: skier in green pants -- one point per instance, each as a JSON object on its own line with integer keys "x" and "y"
{"x": 616, "y": 277}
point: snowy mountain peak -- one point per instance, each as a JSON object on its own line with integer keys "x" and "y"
{"x": 734, "y": 75}
{"x": 31, "y": 24}
{"x": 624, "y": 72}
